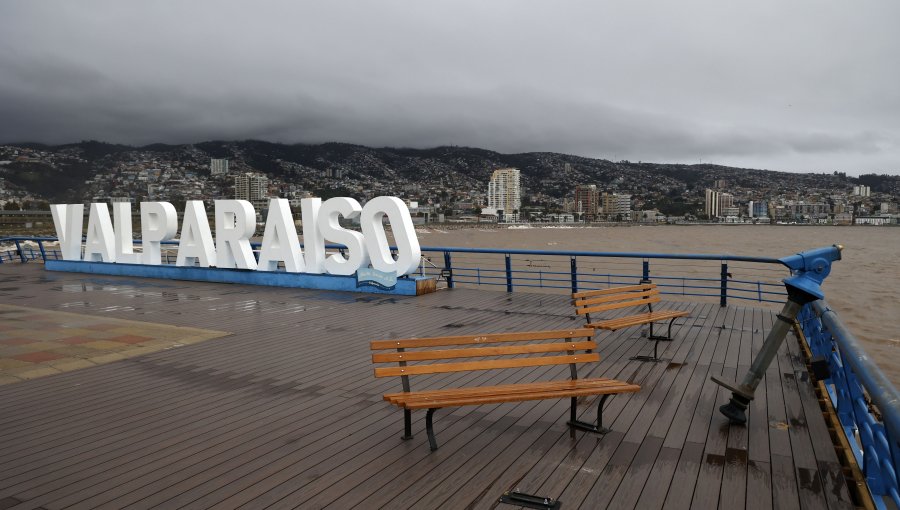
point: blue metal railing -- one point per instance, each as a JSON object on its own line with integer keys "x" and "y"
{"x": 697, "y": 275}
{"x": 867, "y": 404}
{"x": 692, "y": 275}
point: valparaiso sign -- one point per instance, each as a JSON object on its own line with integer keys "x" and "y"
{"x": 235, "y": 223}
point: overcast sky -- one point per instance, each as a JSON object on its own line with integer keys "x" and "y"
{"x": 778, "y": 84}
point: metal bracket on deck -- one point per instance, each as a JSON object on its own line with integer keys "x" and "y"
{"x": 529, "y": 501}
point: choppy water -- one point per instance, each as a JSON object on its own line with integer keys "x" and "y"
{"x": 864, "y": 287}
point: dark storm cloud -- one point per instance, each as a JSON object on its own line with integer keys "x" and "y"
{"x": 761, "y": 86}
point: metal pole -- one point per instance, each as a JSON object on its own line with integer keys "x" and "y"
{"x": 723, "y": 285}
{"x": 509, "y": 284}
{"x": 21, "y": 253}
{"x": 809, "y": 269}
{"x": 574, "y": 269}
{"x": 449, "y": 269}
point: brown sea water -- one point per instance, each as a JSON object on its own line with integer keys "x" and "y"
{"x": 863, "y": 287}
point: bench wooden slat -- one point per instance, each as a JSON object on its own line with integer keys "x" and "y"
{"x": 415, "y": 398}
{"x": 508, "y": 397}
{"x": 615, "y": 306}
{"x": 477, "y": 352}
{"x": 615, "y": 297}
{"x": 439, "y": 368}
{"x": 509, "y": 388}
{"x": 634, "y": 320}
{"x": 612, "y": 290}
{"x": 481, "y": 339}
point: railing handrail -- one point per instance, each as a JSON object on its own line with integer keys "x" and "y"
{"x": 610, "y": 254}
{"x": 524, "y": 277}
{"x": 512, "y": 251}
{"x": 882, "y": 392}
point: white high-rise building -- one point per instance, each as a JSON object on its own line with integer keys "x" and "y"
{"x": 719, "y": 204}
{"x": 218, "y": 166}
{"x": 253, "y": 188}
{"x": 505, "y": 193}
{"x": 712, "y": 204}
{"x": 617, "y": 206}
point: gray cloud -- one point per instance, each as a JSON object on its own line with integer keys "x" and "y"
{"x": 768, "y": 86}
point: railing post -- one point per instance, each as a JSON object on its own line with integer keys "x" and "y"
{"x": 21, "y": 253}
{"x": 449, "y": 268}
{"x": 723, "y": 296}
{"x": 574, "y": 269}
{"x": 43, "y": 253}
{"x": 645, "y": 274}
{"x": 509, "y": 285}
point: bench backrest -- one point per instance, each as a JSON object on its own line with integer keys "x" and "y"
{"x": 497, "y": 347}
{"x": 592, "y": 301}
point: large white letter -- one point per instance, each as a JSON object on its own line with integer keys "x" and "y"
{"x": 235, "y": 223}
{"x": 159, "y": 222}
{"x": 124, "y": 243}
{"x": 331, "y": 230}
{"x": 408, "y": 251}
{"x": 69, "y": 221}
{"x": 280, "y": 241}
{"x": 313, "y": 242}
{"x": 100, "y": 244}
{"x": 196, "y": 238}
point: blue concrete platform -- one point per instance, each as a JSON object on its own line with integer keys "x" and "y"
{"x": 409, "y": 286}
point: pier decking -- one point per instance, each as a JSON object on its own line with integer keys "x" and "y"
{"x": 269, "y": 415}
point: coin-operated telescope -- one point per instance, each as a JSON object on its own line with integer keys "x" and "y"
{"x": 808, "y": 270}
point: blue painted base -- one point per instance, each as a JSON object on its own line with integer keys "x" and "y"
{"x": 411, "y": 286}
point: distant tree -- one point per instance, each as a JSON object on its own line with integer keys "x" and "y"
{"x": 12, "y": 206}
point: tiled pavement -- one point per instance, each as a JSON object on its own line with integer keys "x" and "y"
{"x": 35, "y": 342}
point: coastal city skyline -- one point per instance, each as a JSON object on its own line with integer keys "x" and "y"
{"x": 441, "y": 185}
{"x": 765, "y": 86}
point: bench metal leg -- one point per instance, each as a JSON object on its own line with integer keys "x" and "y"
{"x": 660, "y": 338}
{"x": 589, "y": 427}
{"x": 407, "y": 425}
{"x": 656, "y": 339}
{"x": 432, "y": 442}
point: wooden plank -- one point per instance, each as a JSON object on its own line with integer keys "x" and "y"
{"x": 509, "y": 388}
{"x": 481, "y": 339}
{"x": 759, "y": 486}
{"x": 757, "y": 416}
{"x": 613, "y": 290}
{"x": 583, "y": 302}
{"x": 627, "y": 454}
{"x": 784, "y": 482}
{"x": 441, "y": 368}
{"x": 681, "y": 491}
{"x": 653, "y": 495}
{"x": 427, "y": 403}
{"x": 635, "y": 320}
{"x": 617, "y": 306}
{"x": 625, "y": 494}
{"x": 733, "y": 494}
{"x": 479, "y": 352}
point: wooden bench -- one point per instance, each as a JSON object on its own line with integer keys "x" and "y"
{"x": 530, "y": 349}
{"x": 645, "y": 294}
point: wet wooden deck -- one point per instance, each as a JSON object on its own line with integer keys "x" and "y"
{"x": 285, "y": 411}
